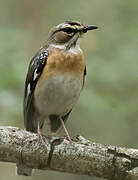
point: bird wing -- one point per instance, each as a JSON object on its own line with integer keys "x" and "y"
{"x": 34, "y": 72}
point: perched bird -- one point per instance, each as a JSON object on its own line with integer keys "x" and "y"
{"x": 55, "y": 79}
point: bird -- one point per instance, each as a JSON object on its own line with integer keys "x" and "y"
{"x": 55, "y": 79}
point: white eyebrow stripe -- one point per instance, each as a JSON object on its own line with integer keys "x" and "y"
{"x": 62, "y": 25}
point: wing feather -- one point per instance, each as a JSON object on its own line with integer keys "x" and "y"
{"x": 34, "y": 72}
{"x": 84, "y": 76}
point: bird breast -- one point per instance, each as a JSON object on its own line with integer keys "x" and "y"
{"x": 60, "y": 83}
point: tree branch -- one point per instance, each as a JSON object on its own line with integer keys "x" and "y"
{"x": 80, "y": 157}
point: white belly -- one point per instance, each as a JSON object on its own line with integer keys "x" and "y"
{"x": 58, "y": 94}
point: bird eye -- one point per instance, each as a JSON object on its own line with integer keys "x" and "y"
{"x": 68, "y": 30}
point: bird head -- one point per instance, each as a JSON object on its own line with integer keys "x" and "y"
{"x": 68, "y": 33}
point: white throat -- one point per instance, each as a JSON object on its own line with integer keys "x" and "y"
{"x": 74, "y": 50}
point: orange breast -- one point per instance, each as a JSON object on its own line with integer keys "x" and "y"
{"x": 62, "y": 62}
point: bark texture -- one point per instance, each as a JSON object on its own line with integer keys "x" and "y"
{"x": 80, "y": 157}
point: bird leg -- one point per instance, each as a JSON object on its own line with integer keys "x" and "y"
{"x": 39, "y": 131}
{"x": 65, "y": 130}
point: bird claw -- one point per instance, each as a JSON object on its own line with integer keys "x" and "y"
{"x": 41, "y": 138}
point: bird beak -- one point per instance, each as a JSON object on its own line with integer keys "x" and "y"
{"x": 87, "y": 28}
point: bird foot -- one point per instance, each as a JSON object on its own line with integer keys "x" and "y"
{"x": 68, "y": 138}
{"x": 41, "y": 138}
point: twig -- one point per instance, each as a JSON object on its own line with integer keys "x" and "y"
{"x": 81, "y": 156}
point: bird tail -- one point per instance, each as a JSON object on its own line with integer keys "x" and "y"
{"x": 23, "y": 170}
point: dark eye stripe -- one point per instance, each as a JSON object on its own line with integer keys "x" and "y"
{"x": 69, "y": 30}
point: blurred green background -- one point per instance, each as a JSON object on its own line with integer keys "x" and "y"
{"x": 107, "y": 110}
